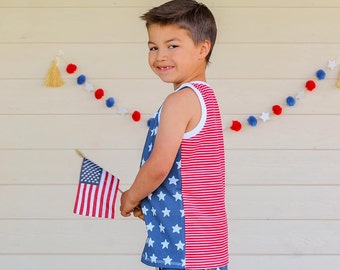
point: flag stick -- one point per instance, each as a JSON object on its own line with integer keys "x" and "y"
{"x": 82, "y": 156}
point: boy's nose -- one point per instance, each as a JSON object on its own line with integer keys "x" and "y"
{"x": 161, "y": 55}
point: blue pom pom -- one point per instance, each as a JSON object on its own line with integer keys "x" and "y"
{"x": 321, "y": 74}
{"x": 110, "y": 102}
{"x": 252, "y": 121}
{"x": 151, "y": 122}
{"x": 290, "y": 101}
{"x": 81, "y": 79}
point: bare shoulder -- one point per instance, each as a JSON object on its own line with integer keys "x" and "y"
{"x": 184, "y": 107}
{"x": 183, "y": 99}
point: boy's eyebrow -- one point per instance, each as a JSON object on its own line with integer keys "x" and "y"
{"x": 167, "y": 41}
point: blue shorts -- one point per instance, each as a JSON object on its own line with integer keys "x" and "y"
{"x": 220, "y": 268}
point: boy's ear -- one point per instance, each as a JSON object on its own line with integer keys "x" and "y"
{"x": 205, "y": 48}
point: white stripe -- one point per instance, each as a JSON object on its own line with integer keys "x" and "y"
{"x": 80, "y": 199}
{"x": 86, "y": 196}
{"x": 106, "y": 191}
{"x": 102, "y": 178}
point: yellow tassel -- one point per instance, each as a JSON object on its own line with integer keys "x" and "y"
{"x": 53, "y": 78}
{"x": 338, "y": 82}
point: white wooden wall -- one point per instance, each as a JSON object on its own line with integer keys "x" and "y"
{"x": 283, "y": 176}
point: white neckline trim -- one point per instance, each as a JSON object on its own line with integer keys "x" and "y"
{"x": 203, "y": 119}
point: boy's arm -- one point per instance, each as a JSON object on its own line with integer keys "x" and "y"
{"x": 180, "y": 111}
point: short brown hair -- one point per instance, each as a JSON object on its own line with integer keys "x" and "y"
{"x": 195, "y": 17}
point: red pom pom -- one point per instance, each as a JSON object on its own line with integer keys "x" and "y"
{"x": 236, "y": 126}
{"x": 277, "y": 109}
{"x": 99, "y": 93}
{"x": 71, "y": 68}
{"x": 310, "y": 85}
{"x": 136, "y": 116}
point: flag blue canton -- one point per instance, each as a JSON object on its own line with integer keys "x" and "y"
{"x": 90, "y": 173}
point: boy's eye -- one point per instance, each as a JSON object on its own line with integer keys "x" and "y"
{"x": 173, "y": 46}
{"x": 153, "y": 49}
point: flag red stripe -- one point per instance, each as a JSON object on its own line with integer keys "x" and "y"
{"x": 77, "y": 201}
{"x": 82, "y": 202}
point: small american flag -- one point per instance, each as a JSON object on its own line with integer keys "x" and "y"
{"x": 97, "y": 191}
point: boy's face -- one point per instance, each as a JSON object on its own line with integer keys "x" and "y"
{"x": 174, "y": 57}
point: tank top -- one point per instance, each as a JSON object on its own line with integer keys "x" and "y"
{"x": 185, "y": 216}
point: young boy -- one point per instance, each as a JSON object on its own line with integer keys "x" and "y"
{"x": 181, "y": 182}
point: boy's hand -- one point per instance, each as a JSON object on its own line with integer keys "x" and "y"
{"x": 137, "y": 212}
{"x": 126, "y": 204}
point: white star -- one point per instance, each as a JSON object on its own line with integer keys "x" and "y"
{"x": 183, "y": 263}
{"x": 145, "y": 210}
{"x": 331, "y": 64}
{"x": 143, "y": 161}
{"x": 161, "y": 196}
{"x": 150, "y": 242}
{"x": 150, "y": 147}
{"x": 154, "y": 131}
{"x": 182, "y": 211}
{"x": 146, "y": 256}
{"x": 161, "y": 228}
{"x": 149, "y": 227}
{"x": 122, "y": 111}
{"x": 177, "y": 196}
{"x": 167, "y": 260}
{"x": 89, "y": 87}
{"x": 173, "y": 180}
{"x": 153, "y": 210}
{"x": 300, "y": 95}
{"x": 176, "y": 229}
{"x": 180, "y": 245}
{"x": 179, "y": 165}
{"x": 166, "y": 212}
{"x": 265, "y": 116}
{"x": 153, "y": 258}
{"x": 165, "y": 244}
{"x": 149, "y": 196}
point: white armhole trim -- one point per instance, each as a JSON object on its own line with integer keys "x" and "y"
{"x": 203, "y": 119}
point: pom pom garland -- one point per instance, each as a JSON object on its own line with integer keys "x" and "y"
{"x": 136, "y": 116}
{"x": 310, "y": 85}
{"x": 151, "y": 122}
{"x": 277, "y": 109}
{"x": 54, "y": 80}
{"x": 71, "y": 68}
{"x": 99, "y": 93}
{"x": 252, "y": 121}
{"x": 290, "y": 101}
{"x": 81, "y": 79}
{"x": 236, "y": 126}
{"x": 321, "y": 74}
{"x": 110, "y": 102}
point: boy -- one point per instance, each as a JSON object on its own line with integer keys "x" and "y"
{"x": 181, "y": 182}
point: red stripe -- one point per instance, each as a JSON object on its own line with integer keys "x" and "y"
{"x": 204, "y": 193}
{"x": 81, "y": 211}
{"x": 77, "y": 200}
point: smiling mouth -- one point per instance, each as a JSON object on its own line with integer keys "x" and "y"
{"x": 165, "y": 68}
